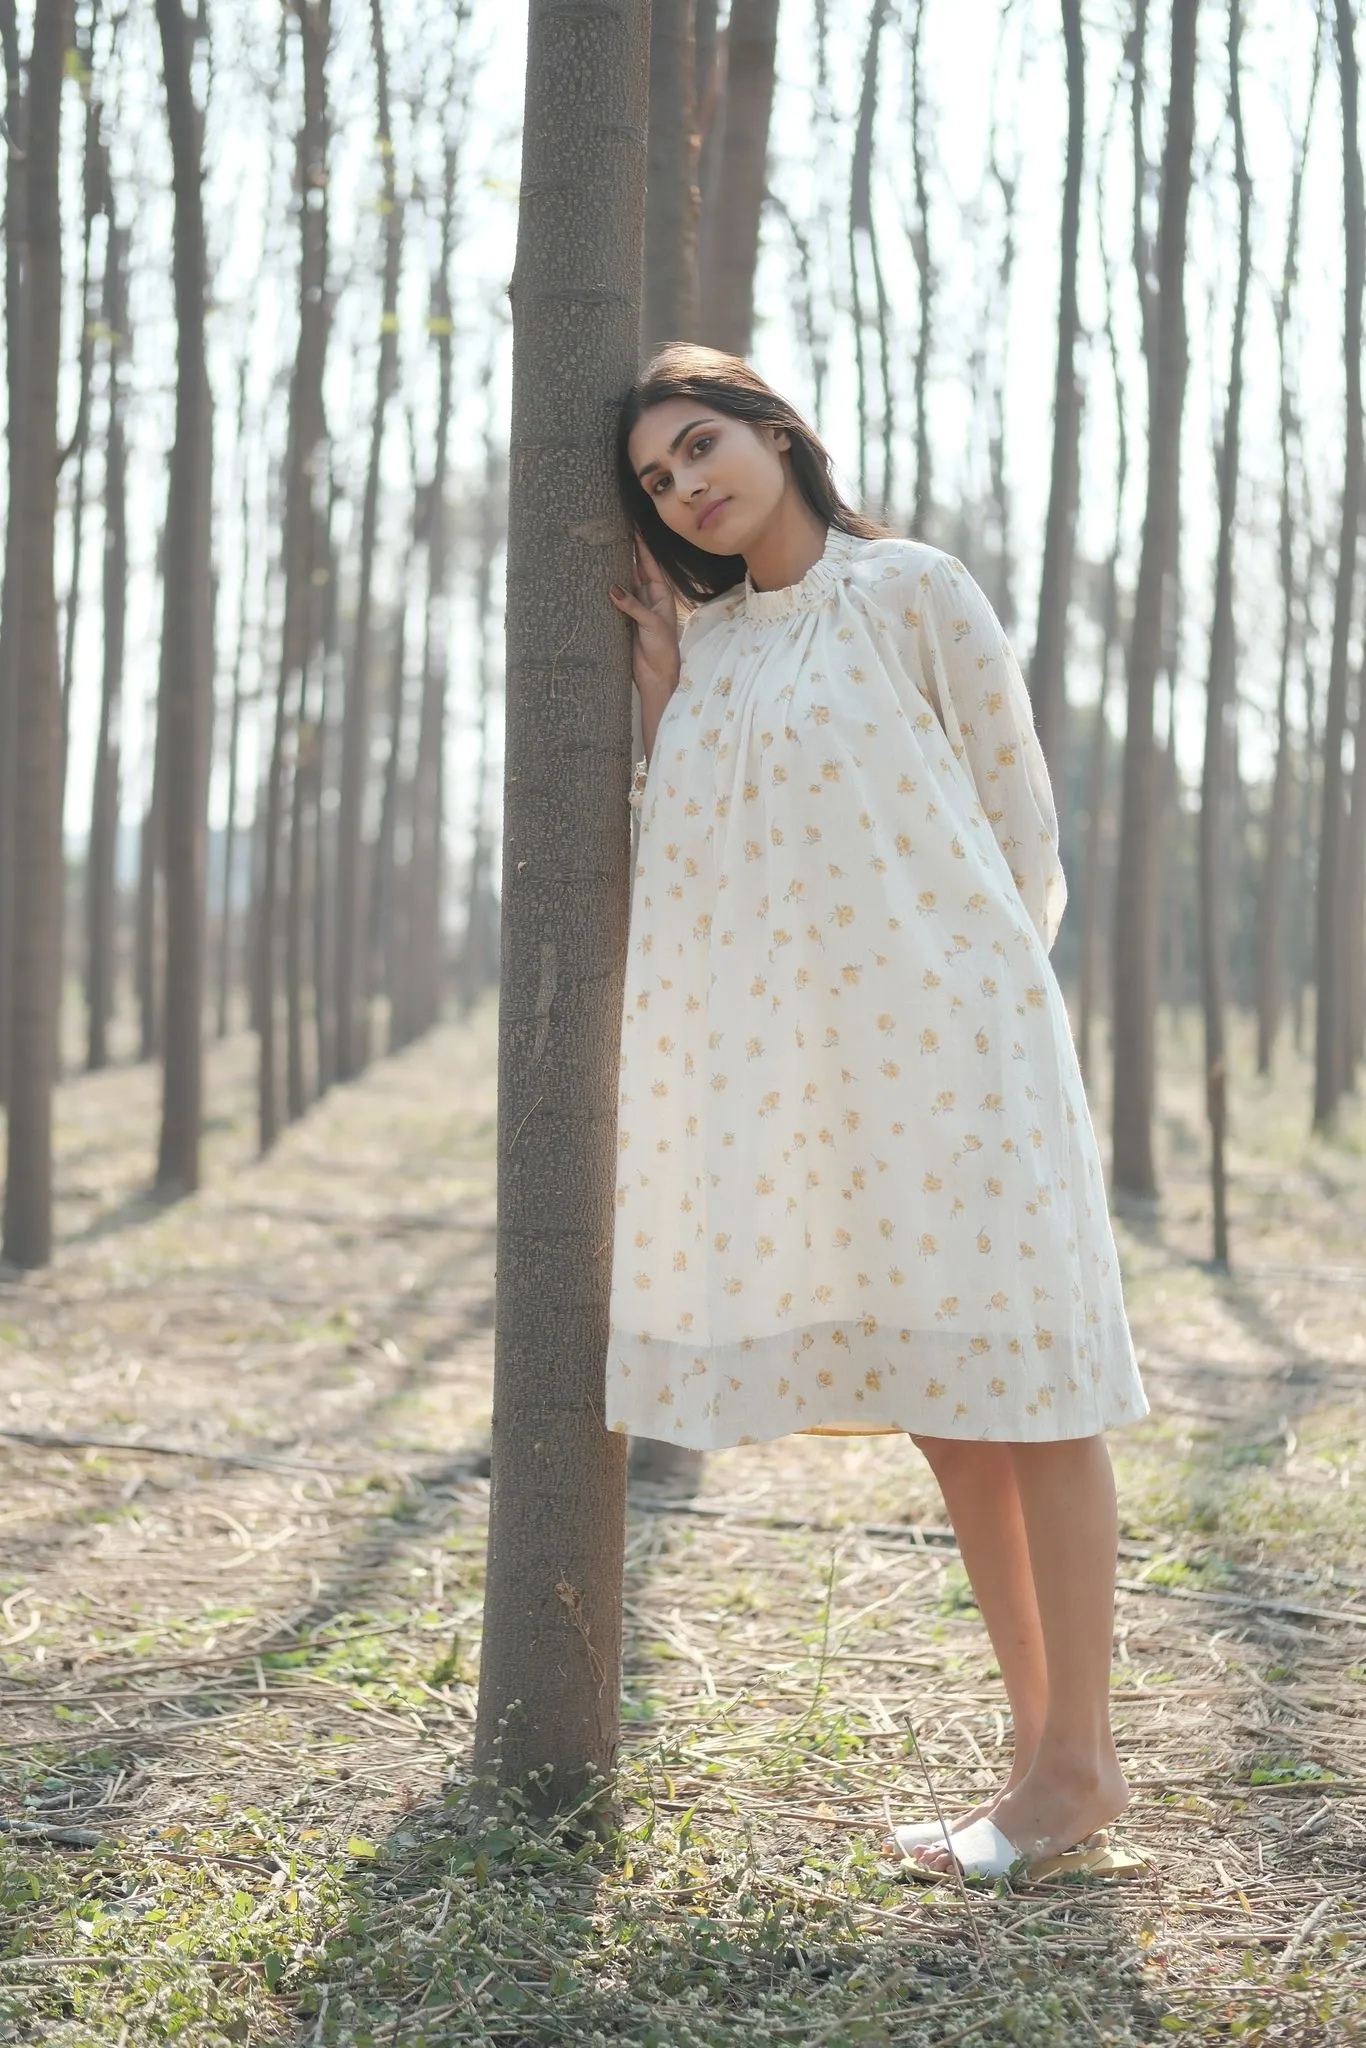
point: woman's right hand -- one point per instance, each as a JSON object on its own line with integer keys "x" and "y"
{"x": 652, "y": 609}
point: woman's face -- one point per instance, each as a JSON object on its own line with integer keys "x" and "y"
{"x": 715, "y": 480}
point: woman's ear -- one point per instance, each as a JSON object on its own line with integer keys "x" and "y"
{"x": 782, "y": 440}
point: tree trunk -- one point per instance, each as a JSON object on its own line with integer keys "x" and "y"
{"x": 1270, "y": 969}
{"x": 923, "y": 516}
{"x": 225, "y": 929}
{"x": 147, "y": 917}
{"x": 324, "y": 837}
{"x": 863, "y": 236}
{"x": 183, "y": 714}
{"x": 671, "y": 307}
{"x": 1330, "y": 1024}
{"x": 730, "y": 231}
{"x": 550, "y": 1677}
{"x": 1220, "y": 698}
{"x": 37, "y": 726}
{"x": 350, "y": 1032}
{"x": 1047, "y": 680}
{"x": 17, "y": 285}
{"x": 1137, "y": 890}
{"x": 1092, "y": 931}
{"x": 102, "y": 856}
{"x": 307, "y": 431}
{"x": 478, "y": 963}
{"x": 418, "y": 1000}
{"x": 93, "y": 175}
{"x": 383, "y": 903}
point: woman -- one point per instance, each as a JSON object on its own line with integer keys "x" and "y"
{"x": 859, "y": 1188}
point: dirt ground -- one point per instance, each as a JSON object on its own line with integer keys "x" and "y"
{"x": 244, "y": 1450}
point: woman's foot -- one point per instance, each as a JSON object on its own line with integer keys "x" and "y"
{"x": 985, "y": 1809}
{"x": 1048, "y": 1811}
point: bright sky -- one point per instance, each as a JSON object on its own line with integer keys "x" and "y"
{"x": 810, "y": 155}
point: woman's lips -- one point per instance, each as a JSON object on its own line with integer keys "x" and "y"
{"x": 711, "y": 512}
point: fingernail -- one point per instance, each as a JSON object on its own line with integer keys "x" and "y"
{"x": 617, "y": 590}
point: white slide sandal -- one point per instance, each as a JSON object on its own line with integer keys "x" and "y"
{"x": 921, "y": 1834}
{"x": 981, "y": 1851}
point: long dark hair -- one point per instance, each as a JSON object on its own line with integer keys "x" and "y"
{"x": 725, "y": 384}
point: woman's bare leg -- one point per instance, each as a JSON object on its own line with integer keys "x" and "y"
{"x": 1074, "y": 1784}
{"x": 978, "y": 1483}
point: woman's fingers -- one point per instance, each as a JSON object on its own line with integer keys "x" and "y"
{"x": 624, "y": 602}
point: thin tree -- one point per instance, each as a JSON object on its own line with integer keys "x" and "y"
{"x": 671, "y": 309}
{"x": 307, "y": 432}
{"x": 94, "y": 170}
{"x": 186, "y": 677}
{"x": 37, "y": 703}
{"x": 1048, "y": 671}
{"x": 863, "y": 251}
{"x": 235, "y": 708}
{"x": 147, "y": 906}
{"x": 418, "y": 997}
{"x": 923, "y": 515}
{"x": 1089, "y": 978}
{"x": 730, "y": 226}
{"x": 324, "y": 835}
{"x": 17, "y": 283}
{"x": 550, "y": 1675}
{"x": 101, "y": 857}
{"x": 383, "y": 895}
{"x": 1214, "y": 878}
{"x": 1330, "y": 1022}
{"x": 478, "y": 960}
{"x": 304, "y": 774}
{"x": 998, "y": 321}
{"x": 1137, "y": 895}
{"x": 1270, "y": 976}
{"x": 350, "y": 1034}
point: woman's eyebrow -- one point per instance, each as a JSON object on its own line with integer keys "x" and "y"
{"x": 682, "y": 434}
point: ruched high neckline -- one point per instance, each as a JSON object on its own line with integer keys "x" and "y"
{"x": 813, "y": 588}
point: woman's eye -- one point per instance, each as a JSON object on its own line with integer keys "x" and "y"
{"x": 654, "y": 487}
{"x": 703, "y": 441}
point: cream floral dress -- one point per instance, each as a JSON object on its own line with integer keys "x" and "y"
{"x": 858, "y": 1186}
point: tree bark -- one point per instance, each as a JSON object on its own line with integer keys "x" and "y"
{"x": 225, "y": 928}
{"x": 1048, "y": 672}
{"x": 17, "y": 286}
{"x": 1220, "y": 703}
{"x": 1270, "y": 967}
{"x": 550, "y": 1676}
{"x": 37, "y": 724}
{"x": 671, "y": 306}
{"x": 1330, "y": 1023}
{"x": 93, "y": 179}
{"x": 478, "y": 960}
{"x": 186, "y": 678}
{"x": 863, "y": 235}
{"x": 1092, "y": 930}
{"x": 383, "y": 901}
{"x": 324, "y": 835}
{"x": 418, "y": 999}
{"x": 349, "y": 1031}
{"x": 923, "y": 516}
{"x": 1137, "y": 890}
{"x": 730, "y": 230}
{"x": 307, "y": 431}
{"x": 101, "y": 859}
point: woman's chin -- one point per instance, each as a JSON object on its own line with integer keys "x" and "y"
{"x": 717, "y": 537}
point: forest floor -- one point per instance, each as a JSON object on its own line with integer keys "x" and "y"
{"x": 241, "y": 1582}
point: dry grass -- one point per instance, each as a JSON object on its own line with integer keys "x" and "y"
{"x": 237, "y": 1669}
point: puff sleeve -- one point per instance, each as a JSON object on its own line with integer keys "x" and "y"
{"x": 973, "y": 680}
